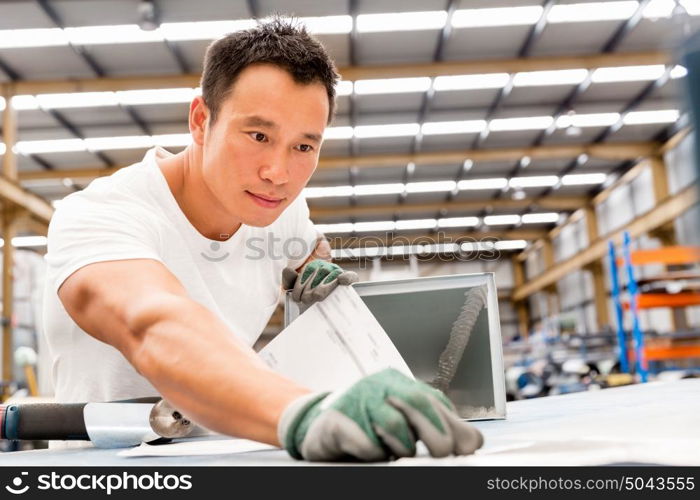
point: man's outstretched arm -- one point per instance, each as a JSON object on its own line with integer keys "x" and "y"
{"x": 187, "y": 353}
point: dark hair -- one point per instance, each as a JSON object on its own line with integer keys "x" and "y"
{"x": 279, "y": 41}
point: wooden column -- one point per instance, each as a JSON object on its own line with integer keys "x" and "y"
{"x": 553, "y": 304}
{"x": 521, "y": 307}
{"x": 9, "y": 171}
{"x": 667, "y": 232}
{"x": 600, "y": 294}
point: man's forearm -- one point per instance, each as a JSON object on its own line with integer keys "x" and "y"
{"x": 322, "y": 251}
{"x": 197, "y": 364}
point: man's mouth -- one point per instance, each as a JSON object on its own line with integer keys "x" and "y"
{"x": 265, "y": 200}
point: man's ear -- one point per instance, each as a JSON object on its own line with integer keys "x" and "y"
{"x": 198, "y": 119}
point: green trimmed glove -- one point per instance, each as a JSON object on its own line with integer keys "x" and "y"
{"x": 316, "y": 281}
{"x": 379, "y": 417}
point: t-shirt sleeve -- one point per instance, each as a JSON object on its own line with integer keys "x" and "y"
{"x": 84, "y": 232}
{"x": 304, "y": 235}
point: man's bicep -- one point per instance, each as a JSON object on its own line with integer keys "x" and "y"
{"x": 104, "y": 297}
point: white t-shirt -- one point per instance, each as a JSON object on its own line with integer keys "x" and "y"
{"x": 132, "y": 214}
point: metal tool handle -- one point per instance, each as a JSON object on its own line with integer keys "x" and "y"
{"x": 44, "y": 421}
{"x": 49, "y": 421}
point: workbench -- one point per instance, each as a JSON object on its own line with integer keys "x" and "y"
{"x": 653, "y": 423}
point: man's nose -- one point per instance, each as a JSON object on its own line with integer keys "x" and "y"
{"x": 274, "y": 168}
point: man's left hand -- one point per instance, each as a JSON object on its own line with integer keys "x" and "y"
{"x": 316, "y": 280}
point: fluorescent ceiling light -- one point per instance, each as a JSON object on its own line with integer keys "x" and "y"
{"x": 657, "y": 9}
{"x": 592, "y": 11}
{"x": 155, "y": 96}
{"x": 49, "y": 37}
{"x": 692, "y": 7}
{"x": 430, "y": 186}
{"x": 26, "y": 241}
{"x": 367, "y": 131}
{"x": 50, "y": 146}
{"x": 123, "y": 142}
{"x": 374, "y": 189}
{"x": 647, "y": 117}
{"x": 383, "y": 225}
{"x": 426, "y": 248}
{"x": 355, "y": 253}
{"x": 416, "y": 224}
{"x": 678, "y": 71}
{"x": 479, "y": 246}
{"x": 328, "y": 25}
{"x": 76, "y": 100}
{"x": 343, "y": 88}
{"x": 500, "y": 220}
{"x": 114, "y": 34}
{"x": 511, "y": 245}
{"x": 402, "y": 21}
{"x": 2, "y": 148}
{"x": 343, "y": 227}
{"x": 546, "y": 217}
{"x": 546, "y": 78}
{"x": 628, "y": 73}
{"x": 503, "y": 16}
{"x": 458, "y": 222}
{"x": 202, "y": 30}
{"x": 581, "y": 179}
{"x": 471, "y": 82}
{"x": 456, "y": 127}
{"x": 392, "y": 85}
{"x": 391, "y": 130}
{"x": 25, "y": 102}
{"x": 327, "y": 191}
{"x": 337, "y": 133}
{"x": 472, "y": 184}
{"x": 526, "y": 123}
{"x": 534, "y": 181}
{"x": 588, "y": 120}
{"x": 172, "y": 140}
{"x": 90, "y": 99}
{"x": 379, "y": 86}
{"x": 398, "y": 250}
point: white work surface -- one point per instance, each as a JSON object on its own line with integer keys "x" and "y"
{"x": 655, "y": 423}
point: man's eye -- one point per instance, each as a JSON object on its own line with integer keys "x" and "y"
{"x": 305, "y": 148}
{"x": 258, "y": 136}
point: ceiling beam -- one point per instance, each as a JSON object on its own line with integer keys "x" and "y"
{"x": 611, "y": 151}
{"x": 515, "y": 65}
{"x": 27, "y": 223}
{"x": 664, "y": 212}
{"x": 35, "y": 205}
{"x": 382, "y": 239}
{"x": 557, "y": 203}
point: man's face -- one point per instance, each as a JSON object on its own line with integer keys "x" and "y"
{"x": 265, "y": 143}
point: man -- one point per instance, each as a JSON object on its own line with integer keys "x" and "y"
{"x": 153, "y": 287}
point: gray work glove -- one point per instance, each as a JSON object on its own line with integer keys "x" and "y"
{"x": 316, "y": 281}
{"x": 379, "y": 417}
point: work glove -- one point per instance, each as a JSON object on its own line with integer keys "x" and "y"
{"x": 316, "y": 281}
{"x": 379, "y": 417}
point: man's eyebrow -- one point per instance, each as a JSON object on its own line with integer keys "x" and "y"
{"x": 259, "y": 121}
{"x": 313, "y": 137}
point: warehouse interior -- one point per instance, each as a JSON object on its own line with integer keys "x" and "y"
{"x": 514, "y": 137}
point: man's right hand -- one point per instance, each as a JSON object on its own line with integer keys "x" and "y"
{"x": 379, "y": 417}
